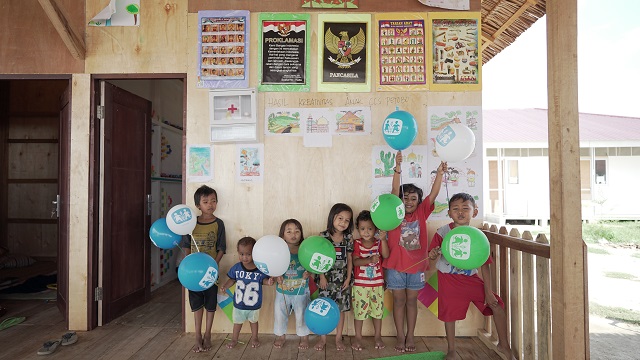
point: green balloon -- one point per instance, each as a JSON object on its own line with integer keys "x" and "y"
{"x": 387, "y": 212}
{"x": 317, "y": 254}
{"x": 466, "y": 247}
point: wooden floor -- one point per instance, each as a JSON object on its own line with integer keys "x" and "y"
{"x": 153, "y": 331}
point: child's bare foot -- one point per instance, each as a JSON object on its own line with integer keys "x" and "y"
{"x": 279, "y": 341}
{"x": 255, "y": 342}
{"x": 399, "y": 345}
{"x": 206, "y": 343}
{"x": 506, "y": 351}
{"x": 451, "y": 355}
{"x": 304, "y": 343}
{"x": 409, "y": 345}
{"x": 232, "y": 343}
{"x": 320, "y": 344}
{"x": 198, "y": 346}
{"x": 379, "y": 343}
{"x": 356, "y": 344}
{"x": 339, "y": 344}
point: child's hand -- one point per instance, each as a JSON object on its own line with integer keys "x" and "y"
{"x": 323, "y": 283}
{"x": 382, "y": 235}
{"x": 279, "y": 280}
{"x": 490, "y": 298}
{"x": 305, "y": 275}
{"x": 374, "y": 259}
{"x": 270, "y": 281}
{"x": 433, "y": 254}
{"x": 222, "y": 290}
{"x": 346, "y": 283}
{"x": 442, "y": 168}
{"x": 398, "y": 158}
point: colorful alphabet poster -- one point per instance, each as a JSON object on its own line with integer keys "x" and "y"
{"x": 345, "y": 53}
{"x": 464, "y": 176}
{"x": 223, "y": 49}
{"x": 455, "y": 59}
{"x": 402, "y": 55}
{"x": 284, "y": 52}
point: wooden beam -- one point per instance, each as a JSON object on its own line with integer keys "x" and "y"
{"x": 489, "y": 39}
{"x": 569, "y": 297}
{"x": 74, "y": 43}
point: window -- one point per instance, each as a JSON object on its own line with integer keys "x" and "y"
{"x": 513, "y": 171}
{"x": 601, "y": 171}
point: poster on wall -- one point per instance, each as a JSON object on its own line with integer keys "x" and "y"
{"x": 284, "y": 52}
{"x": 345, "y": 53}
{"x": 330, "y": 4}
{"x": 223, "y": 49}
{"x": 249, "y": 163}
{"x": 415, "y": 169}
{"x": 461, "y": 176}
{"x": 199, "y": 163}
{"x": 455, "y": 58}
{"x": 402, "y": 55}
{"x": 331, "y": 121}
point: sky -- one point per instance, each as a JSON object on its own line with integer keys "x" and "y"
{"x": 608, "y": 63}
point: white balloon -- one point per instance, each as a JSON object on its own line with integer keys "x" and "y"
{"x": 271, "y": 255}
{"x": 455, "y": 143}
{"x": 182, "y": 219}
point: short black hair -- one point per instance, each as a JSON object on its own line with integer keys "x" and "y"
{"x": 294, "y": 222}
{"x": 246, "y": 241}
{"x": 365, "y": 215}
{"x": 464, "y": 197}
{"x": 335, "y": 210}
{"x": 203, "y": 190}
{"x": 410, "y": 189}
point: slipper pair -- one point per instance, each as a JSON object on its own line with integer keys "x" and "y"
{"x": 9, "y": 322}
{"x": 51, "y": 346}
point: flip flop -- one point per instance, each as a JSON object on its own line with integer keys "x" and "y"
{"x": 49, "y": 347}
{"x": 69, "y": 338}
{"x": 9, "y": 322}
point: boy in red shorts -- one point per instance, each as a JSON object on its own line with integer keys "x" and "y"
{"x": 457, "y": 287}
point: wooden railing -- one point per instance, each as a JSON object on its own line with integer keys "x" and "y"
{"x": 520, "y": 274}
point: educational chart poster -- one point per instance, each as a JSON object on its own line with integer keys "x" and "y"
{"x": 199, "y": 163}
{"x": 344, "y": 47}
{"x": 223, "y": 49}
{"x": 455, "y": 57}
{"x": 332, "y": 121}
{"x": 463, "y": 176}
{"x": 284, "y": 52}
{"x": 402, "y": 55}
{"x": 250, "y": 163}
{"x": 330, "y": 4}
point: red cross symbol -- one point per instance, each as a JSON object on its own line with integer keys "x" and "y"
{"x": 232, "y": 108}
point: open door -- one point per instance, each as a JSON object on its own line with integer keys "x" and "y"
{"x": 125, "y": 189}
{"x": 61, "y": 203}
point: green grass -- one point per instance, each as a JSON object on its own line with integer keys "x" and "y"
{"x": 619, "y": 275}
{"x": 615, "y": 313}
{"x": 597, "y": 251}
{"x": 615, "y": 232}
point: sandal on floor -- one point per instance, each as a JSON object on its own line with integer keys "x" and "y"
{"x": 9, "y": 322}
{"x": 48, "y": 347}
{"x": 69, "y": 338}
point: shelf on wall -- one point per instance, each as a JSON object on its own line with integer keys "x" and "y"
{"x": 165, "y": 179}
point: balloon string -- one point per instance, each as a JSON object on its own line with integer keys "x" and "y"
{"x": 194, "y": 243}
{"x": 415, "y": 264}
{"x": 446, "y": 186}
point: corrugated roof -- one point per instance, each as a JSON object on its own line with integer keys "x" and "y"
{"x": 531, "y": 125}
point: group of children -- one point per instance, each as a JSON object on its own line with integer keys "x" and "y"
{"x": 364, "y": 267}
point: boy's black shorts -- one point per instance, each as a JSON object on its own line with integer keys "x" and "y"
{"x": 207, "y": 299}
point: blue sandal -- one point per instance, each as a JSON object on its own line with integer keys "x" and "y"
{"x": 48, "y": 347}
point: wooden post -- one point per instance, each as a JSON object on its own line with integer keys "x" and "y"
{"x": 569, "y": 326}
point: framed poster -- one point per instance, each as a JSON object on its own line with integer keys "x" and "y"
{"x": 345, "y": 53}
{"x": 223, "y": 49}
{"x": 455, "y": 60}
{"x": 284, "y": 52}
{"x": 402, "y": 52}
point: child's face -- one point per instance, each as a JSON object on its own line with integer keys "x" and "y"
{"x": 244, "y": 254}
{"x": 410, "y": 201}
{"x": 366, "y": 229}
{"x": 462, "y": 212}
{"x": 292, "y": 234}
{"x": 341, "y": 221}
{"x": 208, "y": 204}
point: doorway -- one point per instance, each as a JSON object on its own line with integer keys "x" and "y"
{"x": 136, "y": 176}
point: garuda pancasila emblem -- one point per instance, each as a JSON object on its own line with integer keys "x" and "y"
{"x": 344, "y": 48}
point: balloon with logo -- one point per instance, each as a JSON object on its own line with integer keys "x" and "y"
{"x": 399, "y": 129}
{"x": 182, "y": 219}
{"x": 162, "y": 236}
{"x": 322, "y": 315}
{"x": 387, "y": 212}
{"x": 317, "y": 254}
{"x": 455, "y": 143}
{"x": 198, "y": 271}
{"x": 271, "y": 255}
{"x": 465, "y": 247}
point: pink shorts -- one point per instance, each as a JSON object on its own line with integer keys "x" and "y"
{"x": 456, "y": 291}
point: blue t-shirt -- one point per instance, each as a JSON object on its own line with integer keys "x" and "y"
{"x": 248, "y": 294}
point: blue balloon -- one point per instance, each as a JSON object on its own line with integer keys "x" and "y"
{"x": 399, "y": 129}
{"x": 322, "y": 316}
{"x": 162, "y": 236}
{"x": 198, "y": 271}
